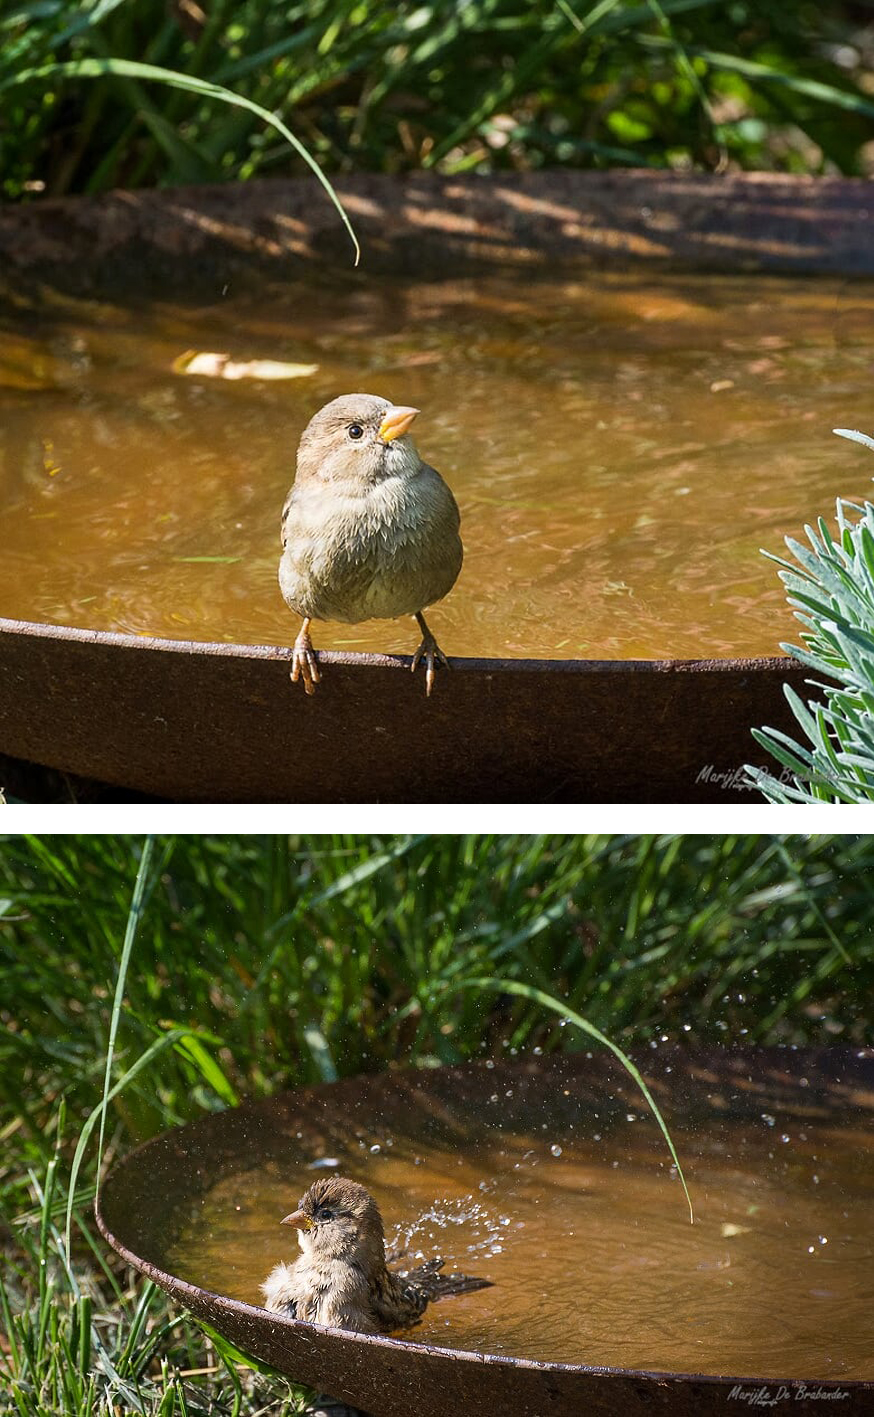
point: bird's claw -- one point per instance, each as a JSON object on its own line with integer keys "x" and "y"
{"x": 303, "y": 663}
{"x": 430, "y": 651}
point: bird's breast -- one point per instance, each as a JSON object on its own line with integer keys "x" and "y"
{"x": 374, "y": 552}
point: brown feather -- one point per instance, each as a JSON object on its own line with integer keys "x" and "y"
{"x": 341, "y": 1278}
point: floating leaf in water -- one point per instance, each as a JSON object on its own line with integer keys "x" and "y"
{"x": 220, "y": 366}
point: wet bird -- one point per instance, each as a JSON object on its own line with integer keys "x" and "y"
{"x": 341, "y": 1278}
{"x": 369, "y": 530}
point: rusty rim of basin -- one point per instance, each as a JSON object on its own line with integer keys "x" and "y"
{"x": 193, "y": 721}
{"x": 187, "y": 238}
{"x": 394, "y": 1376}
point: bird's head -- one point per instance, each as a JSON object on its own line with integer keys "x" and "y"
{"x": 339, "y": 1219}
{"x": 359, "y": 438}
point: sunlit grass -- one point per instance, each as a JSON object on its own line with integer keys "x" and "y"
{"x": 255, "y": 88}
{"x": 84, "y": 1337}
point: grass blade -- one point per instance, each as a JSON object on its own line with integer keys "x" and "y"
{"x": 131, "y": 68}
{"x": 537, "y": 996}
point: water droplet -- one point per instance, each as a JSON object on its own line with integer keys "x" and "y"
{"x": 785, "y": 1137}
{"x": 823, "y": 1239}
{"x": 555, "y": 1149}
{"x": 494, "y": 1097}
{"x": 562, "y": 1023}
{"x": 768, "y": 1119}
{"x": 375, "y": 1148}
{"x": 538, "y": 1052}
{"x": 687, "y": 1028}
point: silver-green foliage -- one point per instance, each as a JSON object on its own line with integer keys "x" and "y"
{"x": 831, "y": 588}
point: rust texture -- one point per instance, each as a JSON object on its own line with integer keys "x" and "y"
{"x": 391, "y": 1377}
{"x": 185, "y": 238}
{"x": 217, "y": 722}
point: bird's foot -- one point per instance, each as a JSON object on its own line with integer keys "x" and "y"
{"x": 303, "y": 662}
{"x": 432, "y": 654}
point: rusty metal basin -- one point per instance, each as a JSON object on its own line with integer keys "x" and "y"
{"x": 218, "y": 722}
{"x": 213, "y": 722}
{"x": 825, "y": 1097}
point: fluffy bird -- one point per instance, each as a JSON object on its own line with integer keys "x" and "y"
{"x": 341, "y": 1278}
{"x": 369, "y": 530}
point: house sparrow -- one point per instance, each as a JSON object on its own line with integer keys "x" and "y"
{"x": 369, "y": 530}
{"x": 341, "y": 1278}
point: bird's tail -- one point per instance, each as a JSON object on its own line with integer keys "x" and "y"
{"x": 427, "y": 1277}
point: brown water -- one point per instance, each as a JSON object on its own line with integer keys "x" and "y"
{"x": 590, "y": 1248}
{"x": 620, "y": 447}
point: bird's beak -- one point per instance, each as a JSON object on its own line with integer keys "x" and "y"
{"x": 396, "y": 421}
{"x": 298, "y": 1219}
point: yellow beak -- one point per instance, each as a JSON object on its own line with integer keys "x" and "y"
{"x": 298, "y": 1219}
{"x": 396, "y": 421}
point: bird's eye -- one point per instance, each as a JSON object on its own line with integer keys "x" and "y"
{"x": 355, "y": 431}
{"x": 326, "y": 1215}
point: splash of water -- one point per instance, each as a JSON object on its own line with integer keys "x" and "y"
{"x": 484, "y": 1231}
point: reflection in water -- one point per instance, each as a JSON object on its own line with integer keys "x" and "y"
{"x": 620, "y": 447}
{"x": 589, "y": 1246}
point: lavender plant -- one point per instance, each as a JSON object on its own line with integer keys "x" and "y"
{"x": 831, "y": 588}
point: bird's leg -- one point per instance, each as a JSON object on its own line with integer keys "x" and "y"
{"x": 303, "y": 660}
{"x": 430, "y": 651}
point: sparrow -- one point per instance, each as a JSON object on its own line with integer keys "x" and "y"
{"x": 369, "y": 530}
{"x": 341, "y": 1278}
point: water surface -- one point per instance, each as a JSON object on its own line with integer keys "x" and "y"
{"x": 620, "y": 447}
{"x": 584, "y": 1232}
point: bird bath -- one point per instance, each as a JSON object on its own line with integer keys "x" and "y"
{"x": 621, "y": 440}
{"x": 549, "y": 1177}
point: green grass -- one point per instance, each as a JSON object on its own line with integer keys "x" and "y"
{"x": 84, "y": 1338}
{"x": 256, "y": 963}
{"x": 489, "y": 85}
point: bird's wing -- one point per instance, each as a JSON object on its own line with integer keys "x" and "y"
{"x": 397, "y": 1302}
{"x": 428, "y": 1280}
{"x": 443, "y": 501}
{"x": 285, "y": 511}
